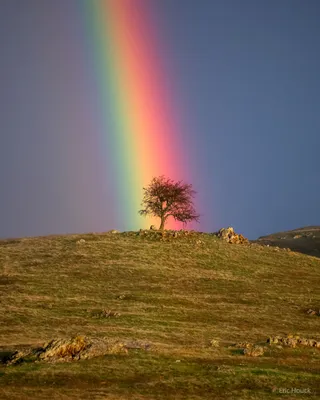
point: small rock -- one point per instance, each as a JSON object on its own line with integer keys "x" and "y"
{"x": 303, "y": 342}
{"x": 81, "y": 241}
{"x": 312, "y": 342}
{"x": 114, "y": 231}
{"x": 291, "y": 342}
{"x": 274, "y": 340}
{"x": 313, "y": 312}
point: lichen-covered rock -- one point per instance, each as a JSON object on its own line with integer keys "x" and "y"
{"x": 64, "y": 349}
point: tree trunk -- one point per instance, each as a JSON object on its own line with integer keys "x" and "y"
{"x": 163, "y": 220}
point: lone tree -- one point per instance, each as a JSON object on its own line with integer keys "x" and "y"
{"x": 164, "y": 198}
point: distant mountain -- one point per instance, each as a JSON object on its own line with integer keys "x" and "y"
{"x": 304, "y": 240}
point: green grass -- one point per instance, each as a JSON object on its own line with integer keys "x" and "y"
{"x": 176, "y": 295}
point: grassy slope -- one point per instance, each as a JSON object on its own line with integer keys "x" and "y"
{"x": 178, "y": 296}
{"x": 305, "y": 240}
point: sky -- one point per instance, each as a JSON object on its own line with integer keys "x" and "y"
{"x": 245, "y": 75}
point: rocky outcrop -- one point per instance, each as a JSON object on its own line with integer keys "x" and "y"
{"x": 194, "y": 237}
{"x": 293, "y": 341}
{"x": 163, "y": 235}
{"x": 76, "y": 348}
{"x": 229, "y": 235}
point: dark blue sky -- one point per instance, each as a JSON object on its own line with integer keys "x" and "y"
{"x": 247, "y": 74}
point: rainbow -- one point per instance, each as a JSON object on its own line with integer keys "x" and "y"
{"x": 141, "y": 132}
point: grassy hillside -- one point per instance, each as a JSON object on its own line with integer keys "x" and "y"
{"x": 175, "y": 295}
{"x": 304, "y": 240}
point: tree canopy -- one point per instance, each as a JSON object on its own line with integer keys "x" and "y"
{"x": 164, "y": 198}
